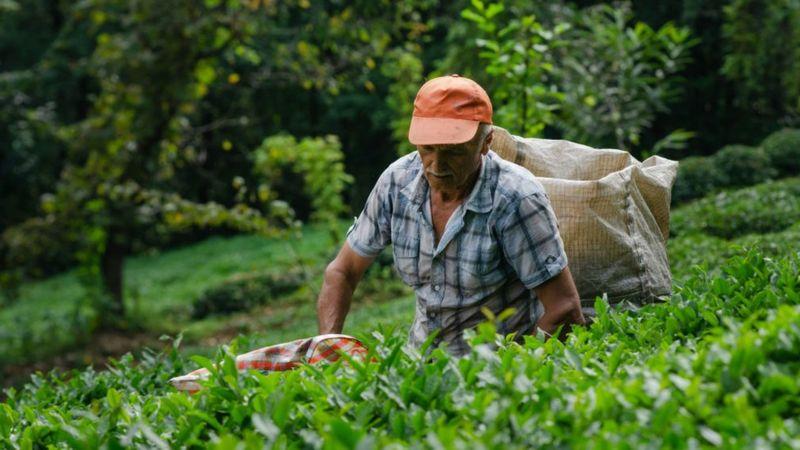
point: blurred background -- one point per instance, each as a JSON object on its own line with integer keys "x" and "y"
{"x": 189, "y": 166}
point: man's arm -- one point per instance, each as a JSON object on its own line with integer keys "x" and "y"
{"x": 562, "y": 305}
{"x": 341, "y": 278}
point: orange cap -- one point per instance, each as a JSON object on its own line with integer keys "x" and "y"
{"x": 448, "y": 110}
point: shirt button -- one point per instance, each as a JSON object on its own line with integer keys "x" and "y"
{"x": 436, "y": 287}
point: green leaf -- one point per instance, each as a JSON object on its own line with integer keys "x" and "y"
{"x": 113, "y": 398}
{"x": 710, "y": 435}
{"x": 205, "y": 72}
{"x": 494, "y": 9}
{"x": 265, "y": 426}
{"x": 203, "y": 362}
{"x": 472, "y": 16}
{"x": 345, "y": 434}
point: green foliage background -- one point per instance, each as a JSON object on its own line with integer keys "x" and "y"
{"x": 129, "y": 129}
{"x": 618, "y": 75}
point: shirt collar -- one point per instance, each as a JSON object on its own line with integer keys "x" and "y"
{"x": 417, "y": 189}
{"x": 479, "y": 200}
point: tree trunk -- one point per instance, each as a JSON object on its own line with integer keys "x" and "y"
{"x": 111, "y": 266}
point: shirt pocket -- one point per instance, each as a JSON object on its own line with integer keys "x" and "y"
{"x": 481, "y": 270}
{"x": 406, "y": 261}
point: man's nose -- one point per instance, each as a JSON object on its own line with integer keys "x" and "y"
{"x": 439, "y": 161}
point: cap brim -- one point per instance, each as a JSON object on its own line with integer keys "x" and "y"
{"x": 440, "y": 130}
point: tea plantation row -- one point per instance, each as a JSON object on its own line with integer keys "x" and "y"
{"x": 765, "y": 208}
{"x": 715, "y": 366}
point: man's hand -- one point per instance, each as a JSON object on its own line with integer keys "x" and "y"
{"x": 562, "y": 305}
{"x": 341, "y": 278}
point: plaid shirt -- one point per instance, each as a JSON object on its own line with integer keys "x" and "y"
{"x": 501, "y": 242}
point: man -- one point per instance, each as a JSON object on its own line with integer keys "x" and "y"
{"x": 468, "y": 229}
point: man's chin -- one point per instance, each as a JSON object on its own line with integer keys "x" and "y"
{"x": 441, "y": 183}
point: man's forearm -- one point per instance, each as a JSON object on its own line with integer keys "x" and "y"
{"x": 334, "y": 302}
{"x": 562, "y": 304}
{"x": 565, "y": 316}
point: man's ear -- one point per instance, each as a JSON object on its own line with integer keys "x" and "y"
{"x": 486, "y": 142}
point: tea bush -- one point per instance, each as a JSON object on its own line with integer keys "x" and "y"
{"x": 714, "y": 366}
{"x": 697, "y": 176}
{"x": 244, "y": 291}
{"x": 783, "y": 150}
{"x": 765, "y": 208}
{"x": 773, "y": 244}
{"x": 741, "y": 165}
{"x": 686, "y": 252}
{"x": 738, "y": 166}
{"x": 709, "y": 252}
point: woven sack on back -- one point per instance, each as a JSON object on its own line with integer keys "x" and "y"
{"x": 612, "y": 210}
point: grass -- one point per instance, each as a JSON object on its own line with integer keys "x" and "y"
{"x": 169, "y": 282}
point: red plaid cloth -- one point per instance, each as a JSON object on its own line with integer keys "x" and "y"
{"x": 286, "y": 356}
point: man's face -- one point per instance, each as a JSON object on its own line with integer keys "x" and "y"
{"x": 451, "y": 166}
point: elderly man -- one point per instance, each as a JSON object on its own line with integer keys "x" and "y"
{"x": 468, "y": 229}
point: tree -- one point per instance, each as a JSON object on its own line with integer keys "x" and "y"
{"x": 154, "y": 63}
{"x": 591, "y": 74}
{"x": 40, "y": 86}
{"x": 762, "y": 40}
{"x": 617, "y": 76}
{"x": 181, "y": 94}
{"x": 515, "y": 49}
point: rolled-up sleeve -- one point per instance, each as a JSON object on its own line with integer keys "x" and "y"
{"x": 528, "y": 232}
{"x": 371, "y": 230}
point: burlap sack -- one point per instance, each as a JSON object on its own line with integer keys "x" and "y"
{"x": 612, "y": 210}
